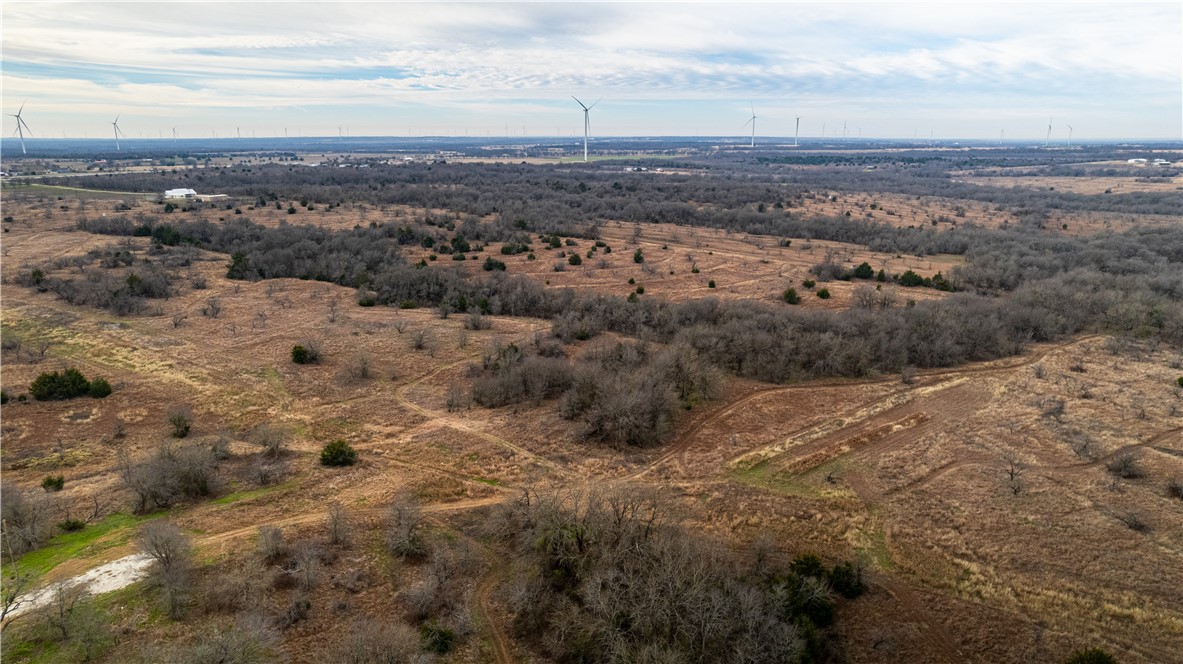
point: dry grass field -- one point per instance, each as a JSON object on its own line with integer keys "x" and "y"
{"x": 979, "y": 497}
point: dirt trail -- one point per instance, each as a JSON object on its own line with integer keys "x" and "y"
{"x": 459, "y": 424}
{"x": 685, "y": 441}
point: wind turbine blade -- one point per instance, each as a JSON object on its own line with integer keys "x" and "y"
{"x": 585, "y": 108}
{"x": 21, "y": 120}
{"x": 749, "y": 121}
{"x": 594, "y": 103}
{"x": 18, "y": 113}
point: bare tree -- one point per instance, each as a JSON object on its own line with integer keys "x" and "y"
{"x": 15, "y": 582}
{"x": 403, "y": 523}
{"x": 272, "y": 439}
{"x": 338, "y": 525}
{"x": 1014, "y": 474}
{"x": 173, "y": 556}
{"x": 271, "y": 544}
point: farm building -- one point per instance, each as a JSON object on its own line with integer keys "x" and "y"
{"x": 180, "y": 193}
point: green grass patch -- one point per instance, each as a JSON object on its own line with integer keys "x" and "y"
{"x": 809, "y": 484}
{"x": 876, "y": 549}
{"x": 239, "y": 496}
{"x": 114, "y": 530}
{"x": 488, "y": 480}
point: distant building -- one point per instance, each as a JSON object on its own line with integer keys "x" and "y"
{"x": 1135, "y": 161}
{"x": 180, "y": 193}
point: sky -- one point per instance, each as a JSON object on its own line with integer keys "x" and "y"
{"x": 882, "y": 70}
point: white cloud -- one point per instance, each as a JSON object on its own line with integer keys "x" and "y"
{"x": 172, "y": 58}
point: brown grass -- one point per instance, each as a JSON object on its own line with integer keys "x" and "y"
{"x": 908, "y": 478}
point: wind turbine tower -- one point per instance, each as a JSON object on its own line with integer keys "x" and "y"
{"x": 1048, "y": 139}
{"x": 797, "y": 131}
{"x": 21, "y": 127}
{"x": 118, "y": 131}
{"x": 586, "y": 121}
{"x": 752, "y": 120}
{"x": 1069, "y": 135}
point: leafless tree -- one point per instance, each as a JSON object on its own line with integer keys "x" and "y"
{"x": 403, "y": 523}
{"x": 339, "y": 530}
{"x": 1014, "y": 470}
{"x": 271, "y": 544}
{"x": 173, "y": 556}
{"x": 272, "y": 439}
{"x": 26, "y": 518}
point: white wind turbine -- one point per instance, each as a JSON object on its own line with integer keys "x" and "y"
{"x": 797, "y": 131}
{"x": 21, "y": 126}
{"x": 1069, "y": 135}
{"x": 118, "y": 131}
{"x": 1048, "y": 139}
{"x": 586, "y": 121}
{"x": 752, "y": 121}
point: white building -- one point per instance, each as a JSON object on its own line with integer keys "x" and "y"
{"x": 180, "y": 193}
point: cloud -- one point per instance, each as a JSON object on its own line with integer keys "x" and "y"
{"x": 179, "y": 57}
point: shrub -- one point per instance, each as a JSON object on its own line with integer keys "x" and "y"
{"x": 638, "y": 256}
{"x": 3, "y": 397}
{"x": 1175, "y": 488}
{"x": 180, "y": 418}
{"x": 53, "y": 482}
{"x": 847, "y": 580}
{"x": 1125, "y": 466}
{"x": 631, "y": 281}
{"x": 71, "y": 525}
{"x": 338, "y": 453}
{"x": 808, "y": 564}
{"x": 436, "y": 637}
{"x": 299, "y": 354}
{"x": 492, "y": 264}
{"x": 306, "y": 352}
{"x": 864, "y": 271}
{"x": 809, "y": 283}
{"x": 100, "y": 388}
{"x": 911, "y": 279}
{"x": 824, "y": 293}
{"x": 54, "y": 386}
{"x": 640, "y": 290}
{"x": 711, "y": 283}
{"x": 790, "y": 295}
{"x": 1091, "y": 656}
{"x": 574, "y": 259}
{"x": 1180, "y": 381}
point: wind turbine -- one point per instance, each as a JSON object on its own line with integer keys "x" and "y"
{"x": 118, "y": 131}
{"x": 21, "y": 126}
{"x": 752, "y": 120}
{"x": 586, "y": 121}
{"x": 1047, "y": 140}
{"x": 797, "y": 131}
{"x": 1069, "y": 135}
